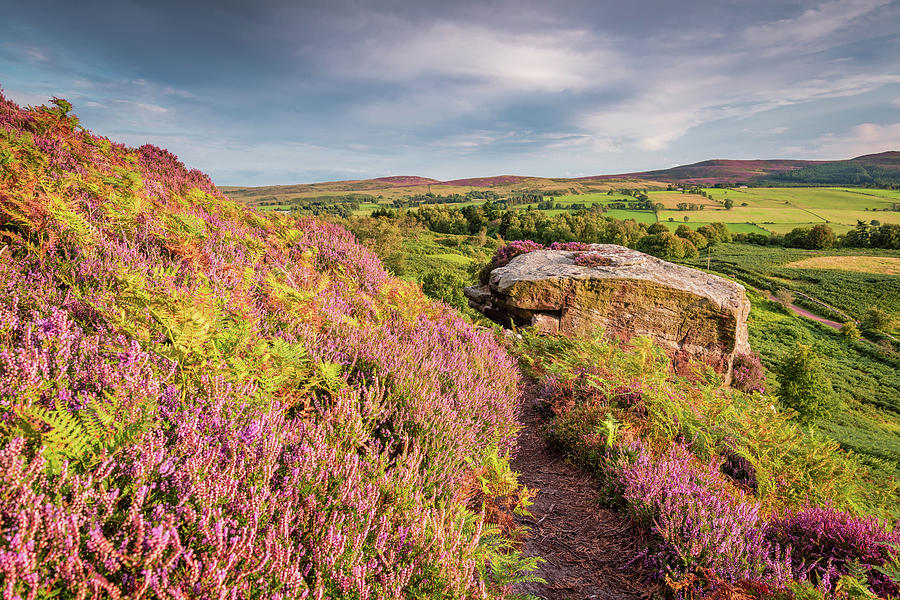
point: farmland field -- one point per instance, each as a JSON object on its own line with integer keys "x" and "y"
{"x": 886, "y": 265}
{"x": 755, "y": 210}
{"x": 732, "y": 227}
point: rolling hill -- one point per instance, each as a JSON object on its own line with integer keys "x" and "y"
{"x": 870, "y": 169}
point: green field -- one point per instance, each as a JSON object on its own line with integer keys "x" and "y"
{"x": 755, "y": 210}
{"x": 866, "y": 382}
{"x": 733, "y": 227}
{"x": 781, "y": 209}
{"x": 865, "y": 376}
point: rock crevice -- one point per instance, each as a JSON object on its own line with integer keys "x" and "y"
{"x": 689, "y": 313}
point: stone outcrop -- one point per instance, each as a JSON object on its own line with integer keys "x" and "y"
{"x": 689, "y": 313}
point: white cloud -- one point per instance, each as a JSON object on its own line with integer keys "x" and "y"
{"x": 473, "y": 55}
{"x": 153, "y": 109}
{"x": 26, "y": 98}
{"x": 812, "y": 25}
{"x": 865, "y": 138}
{"x": 670, "y": 104}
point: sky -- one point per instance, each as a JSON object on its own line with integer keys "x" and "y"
{"x": 285, "y": 91}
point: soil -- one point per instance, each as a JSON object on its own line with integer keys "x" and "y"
{"x": 809, "y": 315}
{"x": 588, "y": 549}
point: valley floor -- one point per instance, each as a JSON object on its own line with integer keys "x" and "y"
{"x": 588, "y": 549}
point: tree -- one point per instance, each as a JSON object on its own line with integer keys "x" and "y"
{"x": 797, "y": 237}
{"x": 850, "y": 331}
{"x": 820, "y": 237}
{"x": 802, "y": 386}
{"x": 887, "y": 236}
{"x": 715, "y": 233}
{"x": 728, "y": 203}
{"x": 860, "y": 237}
{"x": 657, "y": 228}
{"x": 877, "y": 320}
{"x": 663, "y": 245}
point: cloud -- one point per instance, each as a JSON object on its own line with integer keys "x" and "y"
{"x": 865, "y": 138}
{"x": 813, "y": 25}
{"x": 444, "y": 89}
{"x": 686, "y": 91}
{"x": 29, "y": 52}
{"x": 478, "y": 55}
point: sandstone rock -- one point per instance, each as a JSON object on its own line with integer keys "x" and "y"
{"x": 689, "y": 313}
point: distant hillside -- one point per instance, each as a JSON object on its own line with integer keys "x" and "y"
{"x": 401, "y": 180}
{"x": 871, "y": 169}
{"x": 711, "y": 172}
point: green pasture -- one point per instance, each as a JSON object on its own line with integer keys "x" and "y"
{"x": 641, "y": 216}
{"x": 866, "y": 416}
{"x": 732, "y": 227}
{"x": 782, "y": 209}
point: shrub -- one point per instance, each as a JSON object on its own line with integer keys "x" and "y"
{"x": 199, "y": 400}
{"x": 445, "y": 286}
{"x": 826, "y": 544}
{"x": 748, "y": 373}
{"x": 802, "y": 386}
{"x": 662, "y": 245}
{"x": 592, "y": 259}
{"x": 571, "y": 246}
{"x": 850, "y": 331}
{"x": 513, "y": 249}
{"x": 702, "y": 523}
{"x": 877, "y": 319}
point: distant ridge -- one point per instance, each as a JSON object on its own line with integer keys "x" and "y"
{"x": 402, "y": 180}
{"x": 711, "y": 172}
{"x": 870, "y": 169}
{"x": 488, "y": 181}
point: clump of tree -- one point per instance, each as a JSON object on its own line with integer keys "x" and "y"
{"x": 850, "y": 331}
{"x": 667, "y": 246}
{"x": 695, "y": 237}
{"x": 715, "y": 233}
{"x": 877, "y": 320}
{"x": 870, "y": 235}
{"x": 819, "y": 237}
{"x": 802, "y": 386}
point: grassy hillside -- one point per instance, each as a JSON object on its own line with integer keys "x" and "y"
{"x": 738, "y": 500}
{"x": 198, "y": 400}
{"x": 871, "y": 169}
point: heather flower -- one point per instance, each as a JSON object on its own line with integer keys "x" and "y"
{"x": 197, "y": 400}
{"x": 748, "y": 373}
{"x": 826, "y": 543}
{"x": 513, "y": 249}
{"x": 592, "y": 259}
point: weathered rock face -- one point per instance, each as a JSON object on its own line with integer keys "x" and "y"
{"x": 689, "y": 313}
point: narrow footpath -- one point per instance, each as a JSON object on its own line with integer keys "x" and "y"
{"x": 809, "y": 315}
{"x": 588, "y": 549}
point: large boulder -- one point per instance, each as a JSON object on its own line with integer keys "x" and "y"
{"x": 689, "y": 313}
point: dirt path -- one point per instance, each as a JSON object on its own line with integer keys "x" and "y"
{"x": 587, "y": 547}
{"x": 810, "y": 315}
